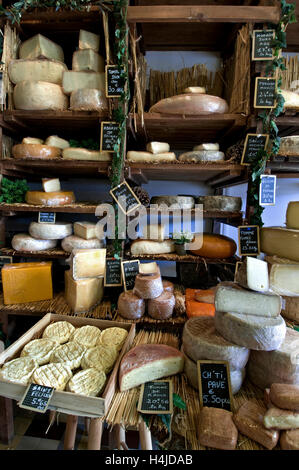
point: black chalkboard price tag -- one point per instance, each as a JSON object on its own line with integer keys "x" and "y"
{"x": 4, "y": 260}
{"x": 262, "y": 48}
{"x": 249, "y": 240}
{"x": 253, "y": 144}
{"x": 129, "y": 270}
{"x": 214, "y": 384}
{"x": 125, "y": 198}
{"x": 115, "y": 81}
{"x": 156, "y": 397}
{"x": 265, "y": 92}
{"x": 46, "y": 217}
{"x": 267, "y": 190}
{"x": 37, "y": 398}
{"x": 109, "y": 136}
{"x": 113, "y": 275}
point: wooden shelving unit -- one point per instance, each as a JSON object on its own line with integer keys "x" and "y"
{"x": 79, "y": 208}
{"x": 53, "y": 253}
{"x": 188, "y": 258}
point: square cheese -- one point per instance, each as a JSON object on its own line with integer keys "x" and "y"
{"x": 88, "y": 40}
{"x": 87, "y": 263}
{"x": 40, "y": 47}
{"x": 51, "y": 184}
{"x": 83, "y": 294}
{"x": 88, "y": 59}
{"x": 86, "y": 230}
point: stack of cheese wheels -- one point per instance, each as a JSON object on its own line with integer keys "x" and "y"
{"x": 52, "y": 195}
{"x": 153, "y": 241}
{"x": 86, "y": 235}
{"x": 202, "y": 341}
{"x": 37, "y": 76}
{"x": 32, "y": 147}
{"x": 155, "y": 152}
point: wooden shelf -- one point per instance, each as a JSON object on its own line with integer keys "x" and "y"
{"x": 183, "y": 132}
{"x": 220, "y": 215}
{"x": 56, "y": 167}
{"x": 44, "y": 254}
{"x": 79, "y": 208}
{"x": 188, "y": 258}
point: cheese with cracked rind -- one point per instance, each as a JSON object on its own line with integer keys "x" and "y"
{"x": 88, "y": 40}
{"x": 201, "y": 340}
{"x": 72, "y": 81}
{"x": 56, "y": 198}
{"x": 35, "y": 151}
{"x": 40, "y": 47}
{"x": 51, "y": 184}
{"x": 55, "y": 141}
{"x": 83, "y": 294}
{"x": 88, "y": 99}
{"x": 45, "y": 70}
{"x": 281, "y": 242}
{"x": 88, "y": 59}
{"x": 78, "y": 153}
{"x": 73, "y": 242}
{"x": 151, "y": 247}
{"x": 292, "y": 216}
{"x": 284, "y": 279}
{"x": 136, "y": 156}
{"x": 250, "y": 331}
{"x": 253, "y": 274}
{"x": 198, "y": 156}
{"x": 39, "y": 95}
{"x": 232, "y": 298}
{"x": 157, "y": 147}
{"x": 86, "y": 263}
{"x": 220, "y": 203}
{"x": 47, "y": 231}
{"x": 25, "y": 242}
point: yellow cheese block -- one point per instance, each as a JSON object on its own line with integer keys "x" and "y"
{"x": 55, "y": 198}
{"x": 27, "y": 282}
{"x": 293, "y": 215}
{"x": 87, "y": 263}
{"x": 281, "y": 242}
{"x": 83, "y": 294}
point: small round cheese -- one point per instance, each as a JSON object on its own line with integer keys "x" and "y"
{"x": 148, "y": 287}
{"x": 88, "y": 382}
{"x": 59, "y": 331}
{"x": 19, "y": 370}
{"x": 40, "y": 349}
{"x": 46, "y": 231}
{"x": 24, "y": 242}
{"x": 162, "y": 307}
{"x": 130, "y": 306}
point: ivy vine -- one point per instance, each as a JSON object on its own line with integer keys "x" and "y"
{"x": 268, "y": 117}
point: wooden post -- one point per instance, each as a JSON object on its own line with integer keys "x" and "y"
{"x": 145, "y": 436}
{"x": 86, "y": 425}
{"x": 95, "y": 434}
{"x": 6, "y": 421}
{"x": 70, "y": 433}
{"x": 120, "y": 435}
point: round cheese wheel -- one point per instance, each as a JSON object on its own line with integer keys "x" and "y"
{"x": 35, "y": 151}
{"x": 167, "y": 285}
{"x": 216, "y": 246}
{"x": 202, "y": 341}
{"x": 39, "y": 95}
{"x": 197, "y": 156}
{"x": 220, "y": 203}
{"x": 191, "y": 103}
{"x": 130, "y": 306}
{"x": 161, "y": 307}
{"x": 88, "y": 99}
{"x": 73, "y": 242}
{"x": 56, "y": 198}
{"x": 263, "y": 378}
{"x": 45, "y": 231}
{"x": 24, "y": 242}
{"x": 148, "y": 287}
{"x": 181, "y": 202}
{"x": 36, "y": 69}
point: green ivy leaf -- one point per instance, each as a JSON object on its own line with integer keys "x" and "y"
{"x": 179, "y": 402}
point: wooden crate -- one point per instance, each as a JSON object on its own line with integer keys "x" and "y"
{"x": 67, "y": 402}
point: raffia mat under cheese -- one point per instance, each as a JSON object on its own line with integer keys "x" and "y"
{"x": 123, "y": 408}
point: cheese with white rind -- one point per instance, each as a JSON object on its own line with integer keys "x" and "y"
{"x": 55, "y": 198}
{"x": 73, "y": 242}
{"x": 83, "y": 294}
{"x": 237, "y": 376}
{"x": 35, "y": 151}
{"x": 180, "y": 202}
{"x": 88, "y": 99}
{"x": 198, "y": 156}
{"x": 130, "y": 306}
{"x": 47, "y": 231}
{"x": 46, "y": 70}
{"x": 40, "y": 47}
{"x": 39, "y": 95}
{"x": 148, "y": 157}
{"x": 72, "y": 81}
{"x": 161, "y": 307}
{"x": 232, "y": 298}
{"x": 153, "y": 232}
{"x": 289, "y": 440}
{"x": 284, "y": 279}
{"x": 289, "y": 146}
{"x": 86, "y": 263}
{"x": 148, "y": 287}
{"x": 157, "y": 147}
{"x": 281, "y": 242}
{"x": 275, "y": 418}
{"x": 86, "y": 230}
{"x": 24, "y": 242}
{"x": 51, "y": 184}
{"x": 88, "y": 40}
{"x": 253, "y": 274}
{"x": 88, "y": 59}
{"x": 285, "y": 396}
{"x": 202, "y": 341}
{"x": 220, "y": 203}
{"x": 293, "y": 215}
{"x": 77, "y": 153}
{"x": 151, "y": 247}
{"x": 147, "y": 362}
{"x": 32, "y": 140}
{"x": 55, "y": 141}
{"x": 250, "y": 331}
{"x": 207, "y": 147}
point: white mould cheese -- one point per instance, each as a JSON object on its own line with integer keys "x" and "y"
{"x": 41, "y": 47}
{"x": 45, "y": 70}
{"x": 24, "y": 242}
{"x": 45, "y": 231}
{"x": 72, "y": 81}
{"x": 39, "y": 95}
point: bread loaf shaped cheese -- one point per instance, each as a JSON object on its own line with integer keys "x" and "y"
{"x": 88, "y": 99}
{"x": 202, "y": 341}
{"x": 72, "y": 81}
{"x": 40, "y": 47}
{"x": 151, "y": 247}
{"x": 253, "y": 274}
{"x": 48, "y": 231}
{"x": 289, "y": 440}
{"x": 88, "y": 60}
{"x": 78, "y": 153}
{"x": 130, "y": 306}
{"x": 147, "y": 362}
{"x": 161, "y": 307}
{"x": 232, "y": 298}
{"x": 220, "y": 203}
{"x": 45, "y": 70}
{"x": 285, "y": 396}
{"x": 35, "y": 151}
{"x": 198, "y": 156}
{"x": 193, "y": 104}
{"x": 24, "y": 242}
{"x": 39, "y": 95}
{"x": 148, "y": 287}
{"x": 281, "y": 242}
{"x": 148, "y": 157}
{"x": 217, "y": 429}
{"x": 56, "y": 198}
{"x": 72, "y": 242}
{"x": 215, "y": 246}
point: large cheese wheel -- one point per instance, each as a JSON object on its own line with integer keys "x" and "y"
{"x": 198, "y": 156}
{"x": 161, "y": 307}
{"x": 73, "y": 242}
{"x": 216, "y": 246}
{"x": 148, "y": 287}
{"x": 57, "y": 198}
{"x": 148, "y": 157}
{"x": 35, "y": 151}
{"x": 258, "y": 333}
{"x": 130, "y": 306}
{"x": 78, "y": 153}
{"x": 220, "y": 203}
{"x": 281, "y": 242}
{"x": 289, "y": 146}
{"x": 202, "y": 341}
{"x": 46, "y": 231}
{"x": 24, "y": 242}
{"x": 151, "y": 247}
{"x": 88, "y": 99}
{"x": 293, "y": 215}
{"x": 180, "y": 202}
{"x": 45, "y": 70}
{"x": 194, "y": 104}
{"x": 39, "y": 95}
